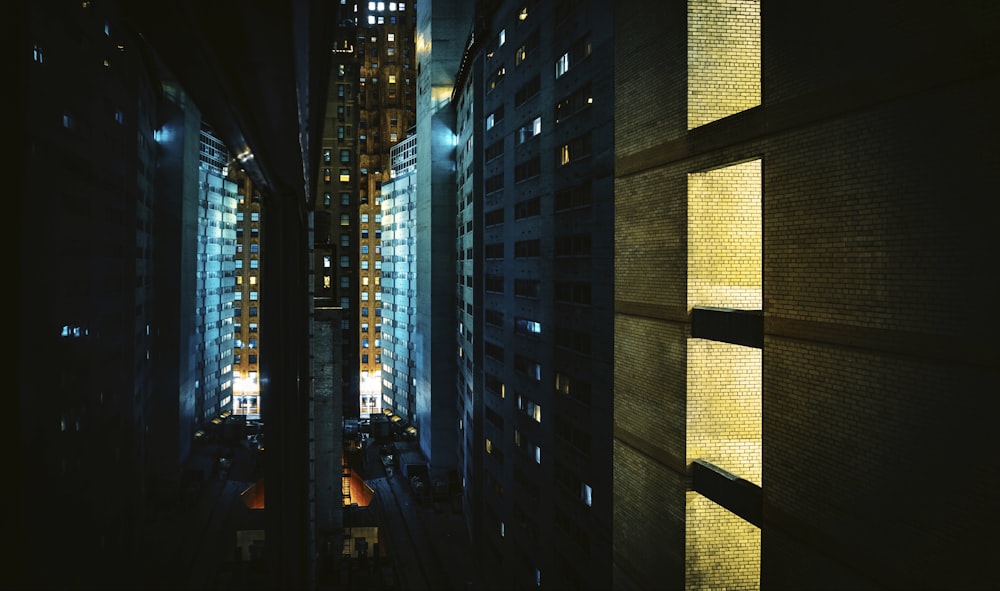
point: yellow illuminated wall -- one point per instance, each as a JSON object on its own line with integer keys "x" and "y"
{"x": 723, "y": 58}
{"x": 724, "y": 237}
{"x": 723, "y": 380}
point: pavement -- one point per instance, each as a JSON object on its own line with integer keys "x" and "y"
{"x": 427, "y": 542}
{"x": 203, "y": 536}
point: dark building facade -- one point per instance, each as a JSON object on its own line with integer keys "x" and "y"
{"x": 534, "y": 246}
{"x": 802, "y": 377}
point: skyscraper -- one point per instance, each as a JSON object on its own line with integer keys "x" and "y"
{"x": 371, "y": 105}
{"x": 534, "y": 247}
{"x": 246, "y": 327}
{"x": 398, "y": 390}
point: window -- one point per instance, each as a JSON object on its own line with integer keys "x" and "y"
{"x": 494, "y": 150}
{"x": 574, "y": 103}
{"x": 345, "y": 156}
{"x": 575, "y": 149}
{"x": 327, "y": 154}
{"x": 494, "y": 118}
{"x": 530, "y": 130}
{"x": 527, "y": 208}
{"x": 345, "y": 198}
{"x": 345, "y": 219}
{"x": 494, "y": 251}
{"x": 571, "y": 292}
{"x": 573, "y": 340}
{"x": 326, "y": 199}
{"x": 496, "y": 78}
{"x": 527, "y": 170}
{"x": 572, "y": 245}
{"x": 494, "y": 183}
{"x": 577, "y": 196}
{"x": 527, "y": 248}
{"x": 345, "y": 261}
{"x": 345, "y": 175}
{"x": 494, "y": 283}
{"x": 527, "y": 287}
{"x": 528, "y": 90}
{"x": 493, "y": 218}
{"x": 527, "y": 327}
{"x": 579, "y": 51}
{"x": 529, "y": 367}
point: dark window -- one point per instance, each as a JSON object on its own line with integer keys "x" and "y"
{"x": 527, "y": 208}
{"x": 494, "y": 217}
{"x": 527, "y": 248}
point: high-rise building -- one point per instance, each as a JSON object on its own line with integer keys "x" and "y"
{"x": 443, "y": 26}
{"x": 335, "y": 230}
{"x": 126, "y": 349}
{"x": 399, "y": 204}
{"x": 535, "y": 238}
{"x": 247, "y": 326}
{"x": 801, "y": 367}
{"x": 215, "y": 279}
{"x": 370, "y": 106}
{"x": 85, "y": 311}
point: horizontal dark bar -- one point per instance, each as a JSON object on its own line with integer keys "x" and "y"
{"x": 740, "y": 496}
{"x": 729, "y": 325}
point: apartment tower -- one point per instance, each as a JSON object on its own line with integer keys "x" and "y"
{"x": 247, "y": 326}
{"x": 535, "y": 243}
{"x": 371, "y": 104}
{"x": 399, "y": 204}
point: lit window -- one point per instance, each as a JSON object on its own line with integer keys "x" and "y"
{"x": 586, "y": 493}
{"x": 523, "y": 14}
{"x": 39, "y": 54}
{"x": 562, "y": 65}
{"x": 345, "y": 175}
{"x": 391, "y": 36}
{"x": 503, "y": 37}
